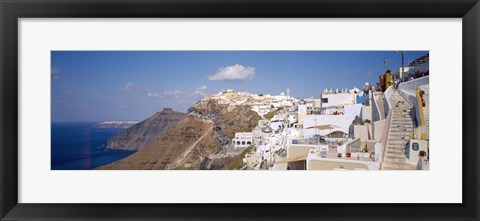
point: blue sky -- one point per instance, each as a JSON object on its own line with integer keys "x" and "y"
{"x": 133, "y": 85}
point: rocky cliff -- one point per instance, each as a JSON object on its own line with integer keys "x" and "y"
{"x": 227, "y": 119}
{"x": 208, "y": 129}
{"x": 170, "y": 149}
{"x": 144, "y": 133}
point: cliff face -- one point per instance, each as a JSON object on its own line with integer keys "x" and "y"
{"x": 171, "y": 149}
{"x": 187, "y": 144}
{"x": 144, "y": 133}
{"x": 227, "y": 119}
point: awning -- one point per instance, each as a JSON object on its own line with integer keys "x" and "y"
{"x": 323, "y": 127}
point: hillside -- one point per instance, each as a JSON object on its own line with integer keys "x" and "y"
{"x": 209, "y": 128}
{"x": 168, "y": 147}
{"x": 227, "y": 119}
{"x": 144, "y": 133}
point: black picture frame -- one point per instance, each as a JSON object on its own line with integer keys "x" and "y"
{"x": 12, "y": 10}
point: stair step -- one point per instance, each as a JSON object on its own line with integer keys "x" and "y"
{"x": 401, "y": 124}
{"x": 401, "y": 113}
{"x": 398, "y": 122}
{"x": 401, "y": 129}
{"x": 399, "y": 135}
{"x": 396, "y": 164}
{"x": 405, "y": 138}
{"x": 401, "y": 167}
{"x": 401, "y": 108}
{"x": 396, "y": 146}
{"x": 403, "y": 116}
{"x": 398, "y": 119}
{"x": 398, "y": 132}
{"x": 398, "y": 161}
{"x": 395, "y": 151}
{"x": 396, "y": 143}
{"x": 395, "y": 157}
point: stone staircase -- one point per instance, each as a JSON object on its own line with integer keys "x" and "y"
{"x": 402, "y": 123}
{"x": 379, "y": 99}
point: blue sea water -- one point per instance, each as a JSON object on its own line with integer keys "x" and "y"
{"x": 75, "y": 146}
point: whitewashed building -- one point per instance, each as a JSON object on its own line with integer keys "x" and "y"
{"x": 341, "y": 123}
{"x": 243, "y": 139}
{"x": 337, "y": 97}
{"x": 261, "y": 109}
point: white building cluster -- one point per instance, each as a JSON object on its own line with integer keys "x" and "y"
{"x": 342, "y": 129}
{"x": 301, "y": 130}
{"x": 260, "y": 103}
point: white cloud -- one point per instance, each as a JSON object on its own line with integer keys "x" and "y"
{"x": 201, "y": 90}
{"x": 130, "y": 86}
{"x": 55, "y": 73}
{"x": 204, "y": 87}
{"x": 175, "y": 93}
{"x": 233, "y": 73}
{"x": 155, "y": 94}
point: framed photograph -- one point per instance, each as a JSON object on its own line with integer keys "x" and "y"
{"x": 254, "y": 110}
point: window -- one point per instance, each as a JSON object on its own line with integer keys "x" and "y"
{"x": 238, "y": 142}
{"x": 324, "y": 100}
{"x": 243, "y": 142}
{"x": 249, "y": 143}
{"x": 415, "y": 146}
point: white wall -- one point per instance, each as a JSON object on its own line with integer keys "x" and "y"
{"x": 339, "y": 99}
{"x": 387, "y": 94}
{"x": 302, "y": 111}
{"x": 292, "y": 118}
{"x": 243, "y": 137}
{"x": 376, "y": 115}
{"x": 378, "y": 129}
{"x": 366, "y": 113}
{"x": 408, "y": 90}
{"x": 411, "y": 86}
{"x": 361, "y": 131}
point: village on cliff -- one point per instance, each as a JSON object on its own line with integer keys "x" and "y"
{"x": 378, "y": 126}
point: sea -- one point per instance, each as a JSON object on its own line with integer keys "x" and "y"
{"x": 75, "y": 146}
